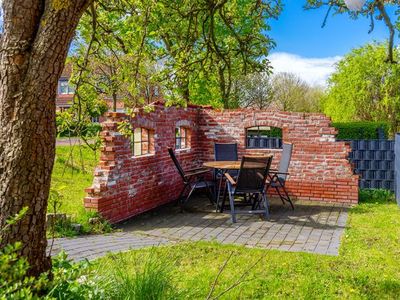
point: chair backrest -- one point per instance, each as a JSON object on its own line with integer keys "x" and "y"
{"x": 177, "y": 164}
{"x": 225, "y": 152}
{"x": 285, "y": 160}
{"x": 253, "y": 173}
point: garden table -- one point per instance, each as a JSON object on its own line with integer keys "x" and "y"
{"x": 225, "y": 166}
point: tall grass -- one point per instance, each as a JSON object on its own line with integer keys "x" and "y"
{"x": 146, "y": 277}
{"x": 72, "y": 173}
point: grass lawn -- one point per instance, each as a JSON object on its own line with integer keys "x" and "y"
{"x": 368, "y": 266}
{"x": 70, "y": 177}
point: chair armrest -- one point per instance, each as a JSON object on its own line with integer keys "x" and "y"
{"x": 194, "y": 173}
{"x": 195, "y": 169}
{"x": 275, "y": 171}
{"x": 229, "y": 178}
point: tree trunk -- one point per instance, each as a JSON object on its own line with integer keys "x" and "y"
{"x": 114, "y": 97}
{"x": 222, "y": 86}
{"x": 34, "y": 45}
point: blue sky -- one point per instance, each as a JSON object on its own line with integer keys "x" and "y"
{"x": 302, "y": 44}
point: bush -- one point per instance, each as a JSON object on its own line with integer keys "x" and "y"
{"x": 360, "y": 130}
{"x": 92, "y": 129}
{"x": 89, "y": 130}
{"x": 73, "y": 281}
{"x": 376, "y": 195}
{"x": 69, "y": 280}
{"x": 67, "y": 126}
{"x": 14, "y": 284}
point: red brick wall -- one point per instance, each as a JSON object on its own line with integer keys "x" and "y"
{"x": 125, "y": 186}
{"x": 319, "y": 168}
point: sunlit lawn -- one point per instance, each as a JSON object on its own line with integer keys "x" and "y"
{"x": 368, "y": 266}
{"x": 72, "y": 173}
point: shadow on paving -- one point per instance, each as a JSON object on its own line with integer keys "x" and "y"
{"x": 312, "y": 227}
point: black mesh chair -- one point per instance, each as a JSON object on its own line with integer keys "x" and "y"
{"x": 277, "y": 178}
{"x": 224, "y": 152}
{"x": 250, "y": 184}
{"x": 193, "y": 179}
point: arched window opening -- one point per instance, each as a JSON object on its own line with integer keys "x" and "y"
{"x": 263, "y": 137}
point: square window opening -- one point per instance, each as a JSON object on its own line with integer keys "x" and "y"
{"x": 142, "y": 141}
{"x": 263, "y": 137}
{"x": 182, "y": 138}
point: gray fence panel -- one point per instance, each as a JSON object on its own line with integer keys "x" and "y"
{"x": 373, "y": 160}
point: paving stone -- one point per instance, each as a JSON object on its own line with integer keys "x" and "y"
{"x": 311, "y": 227}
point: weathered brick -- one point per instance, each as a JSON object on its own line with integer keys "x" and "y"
{"x": 125, "y": 186}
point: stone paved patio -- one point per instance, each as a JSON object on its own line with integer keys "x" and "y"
{"x": 95, "y": 246}
{"x": 312, "y": 227}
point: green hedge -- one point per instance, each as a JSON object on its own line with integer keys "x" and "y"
{"x": 360, "y": 130}
{"x": 275, "y": 132}
{"x": 89, "y": 130}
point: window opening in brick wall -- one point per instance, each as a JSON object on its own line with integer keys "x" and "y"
{"x": 182, "y": 135}
{"x": 142, "y": 141}
{"x": 263, "y": 137}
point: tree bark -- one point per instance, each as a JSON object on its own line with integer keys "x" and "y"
{"x": 34, "y": 45}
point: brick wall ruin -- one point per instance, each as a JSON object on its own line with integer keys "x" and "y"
{"x": 126, "y": 185}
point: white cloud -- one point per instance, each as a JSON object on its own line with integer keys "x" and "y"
{"x": 314, "y": 71}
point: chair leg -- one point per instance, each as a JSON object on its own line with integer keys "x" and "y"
{"x": 257, "y": 202}
{"x": 232, "y": 204}
{"x": 280, "y": 195}
{"x": 266, "y": 204}
{"x": 288, "y": 197}
{"x": 179, "y": 200}
{"x": 254, "y": 200}
{"x": 221, "y": 209}
{"x": 210, "y": 193}
{"x": 188, "y": 196}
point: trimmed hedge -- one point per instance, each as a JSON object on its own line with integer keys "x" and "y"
{"x": 360, "y": 130}
{"x": 275, "y": 132}
{"x": 89, "y": 130}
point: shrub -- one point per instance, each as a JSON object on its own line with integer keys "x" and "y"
{"x": 73, "y": 281}
{"x": 69, "y": 280}
{"x": 376, "y": 195}
{"x": 14, "y": 282}
{"x": 89, "y": 130}
{"x": 67, "y": 126}
{"x": 92, "y": 129}
{"x": 360, "y": 130}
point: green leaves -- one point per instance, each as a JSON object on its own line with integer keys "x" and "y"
{"x": 175, "y": 44}
{"x": 17, "y": 217}
{"x": 364, "y": 87}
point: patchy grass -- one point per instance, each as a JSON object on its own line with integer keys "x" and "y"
{"x": 367, "y": 267}
{"x": 72, "y": 173}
